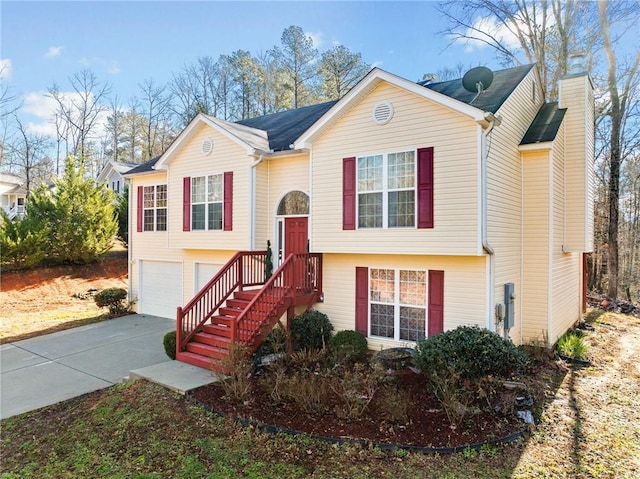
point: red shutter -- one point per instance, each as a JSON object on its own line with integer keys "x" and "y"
{"x": 436, "y": 302}
{"x": 139, "y": 212}
{"x": 425, "y": 187}
{"x": 186, "y": 204}
{"x": 349, "y": 194}
{"x": 362, "y": 300}
{"x": 228, "y": 201}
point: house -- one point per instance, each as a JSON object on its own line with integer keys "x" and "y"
{"x": 12, "y": 195}
{"x": 401, "y": 210}
{"x": 111, "y": 175}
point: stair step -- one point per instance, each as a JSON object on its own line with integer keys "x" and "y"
{"x": 222, "y": 320}
{"x": 233, "y": 312}
{"x": 207, "y": 350}
{"x": 213, "y": 340}
{"x": 201, "y": 361}
{"x": 237, "y": 303}
{"x": 218, "y": 330}
{"x": 246, "y": 295}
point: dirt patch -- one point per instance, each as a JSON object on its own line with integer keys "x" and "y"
{"x": 47, "y": 299}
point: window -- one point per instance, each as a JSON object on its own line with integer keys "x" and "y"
{"x": 398, "y": 304}
{"x": 154, "y": 208}
{"x": 386, "y": 190}
{"x": 206, "y": 202}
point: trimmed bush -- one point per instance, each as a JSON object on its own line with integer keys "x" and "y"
{"x": 169, "y": 342}
{"x": 114, "y": 299}
{"x": 470, "y": 353}
{"x": 349, "y": 346}
{"x": 311, "y": 330}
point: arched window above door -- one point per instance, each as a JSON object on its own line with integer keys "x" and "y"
{"x": 294, "y": 203}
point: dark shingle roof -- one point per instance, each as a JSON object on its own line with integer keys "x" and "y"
{"x": 144, "y": 167}
{"x": 545, "y": 125}
{"x": 284, "y": 127}
{"x": 504, "y": 82}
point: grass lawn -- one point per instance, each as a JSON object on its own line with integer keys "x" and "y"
{"x": 588, "y": 429}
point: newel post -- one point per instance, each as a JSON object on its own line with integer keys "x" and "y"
{"x": 179, "y": 318}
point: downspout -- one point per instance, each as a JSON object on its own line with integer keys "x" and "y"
{"x": 493, "y": 122}
{"x": 252, "y": 202}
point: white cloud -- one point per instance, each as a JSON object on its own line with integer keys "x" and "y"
{"x": 377, "y": 64}
{"x": 41, "y": 106}
{"x": 53, "y": 52}
{"x": 489, "y": 26}
{"x": 5, "y": 68}
{"x": 316, "y": 38}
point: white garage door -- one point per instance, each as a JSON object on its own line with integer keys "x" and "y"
{"x": 204, "y": 273}
{"x": 160, "y": 288}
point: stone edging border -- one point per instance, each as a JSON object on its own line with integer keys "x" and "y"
{"x": 364, "y": 442}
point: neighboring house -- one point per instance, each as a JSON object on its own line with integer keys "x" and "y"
{"x": 111, "y": 175}
{"x": 409, "y": 209}
{"x": 12, "y": 195}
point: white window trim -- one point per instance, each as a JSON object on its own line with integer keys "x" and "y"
{"x": 385, "y": 190}
{"x": 397, "y": 304}
{"x": 155, "y": 208}
{"x": 207, "y": 203}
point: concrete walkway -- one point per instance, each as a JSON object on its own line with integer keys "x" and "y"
{"x": 54, "y": 367}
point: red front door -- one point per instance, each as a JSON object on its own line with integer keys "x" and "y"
{"x": 295, "y": 236}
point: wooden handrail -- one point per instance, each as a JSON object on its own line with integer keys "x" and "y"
{"x": 300, "y": 273}
{"x": 245, "y": 268}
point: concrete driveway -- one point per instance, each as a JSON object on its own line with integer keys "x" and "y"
{"x": 47, "y": 369}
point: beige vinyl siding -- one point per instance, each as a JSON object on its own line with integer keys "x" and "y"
{"x": 416, "y": 123}
{"x": 565, "y": 277}
{"x": 577, "y": 96}
{"x": 190, "y": 161}
{"x": 263, "y": 211}
{"x": 464, "y": 290}
{"x": 504, "y": 191}
{"x": 536, "y": 246}
{"x": 286, "y": 174}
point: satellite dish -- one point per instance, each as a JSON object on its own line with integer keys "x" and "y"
{"x": 477, "y": 80}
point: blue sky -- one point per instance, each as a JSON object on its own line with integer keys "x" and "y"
{"x": 126, "y": 42}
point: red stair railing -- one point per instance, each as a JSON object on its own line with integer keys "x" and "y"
{"x": 245, "y": 268}
{"x": 300, "y": 274}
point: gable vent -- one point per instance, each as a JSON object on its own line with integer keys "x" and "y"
{"x": 207, "y": 146}
{"x": 383, "y": 112}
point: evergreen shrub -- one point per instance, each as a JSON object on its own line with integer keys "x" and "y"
{"x": 311, "y": 330}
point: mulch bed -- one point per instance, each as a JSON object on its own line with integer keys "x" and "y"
{"x": 426, "y": 425}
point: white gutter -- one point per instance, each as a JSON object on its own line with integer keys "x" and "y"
{"x": 493, "y": 121}
{"x": 252, "y": 202}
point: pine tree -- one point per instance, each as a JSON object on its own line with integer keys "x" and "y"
{"x": 77, "y": 216}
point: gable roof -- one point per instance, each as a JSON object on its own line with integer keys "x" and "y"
{"x": 545, "y": 125}
{"x": 144, "y": 167}
{"x": 118, "y": 166}
{"x": 504, "y": 82}
{"x": 294, "y": 129}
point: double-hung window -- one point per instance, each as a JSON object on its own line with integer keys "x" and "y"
{"x": 154, "y": 208}
{"x": 207, "y": 202}
{"x": 398, "y": 304}
{"x": 386, "y": 187}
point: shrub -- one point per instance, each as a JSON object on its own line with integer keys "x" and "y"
{"x": 169, "y": 342}
{"x": 237, "y": 382}
{"x": 21, "y": 243}
{"x": 311, "y": 330}
{"x": 469, "y": 352}
{"x": 114, "y": 299}
{"x": 355, "y": 388}
{"x": 572, "y": 346}
{"x": 349, "y": 346}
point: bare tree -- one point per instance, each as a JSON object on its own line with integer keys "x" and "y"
{"x": 28, "y": 157}
{"x": 155, "y": 108}
{"x": 621, "y": 84}
{"x": 80, "y": 109}
{"x": 543, "y": 31}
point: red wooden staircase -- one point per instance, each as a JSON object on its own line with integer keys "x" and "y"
{"x": 239, "y": 306}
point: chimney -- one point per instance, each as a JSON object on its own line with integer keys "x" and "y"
{"x": 576, "y": 95}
